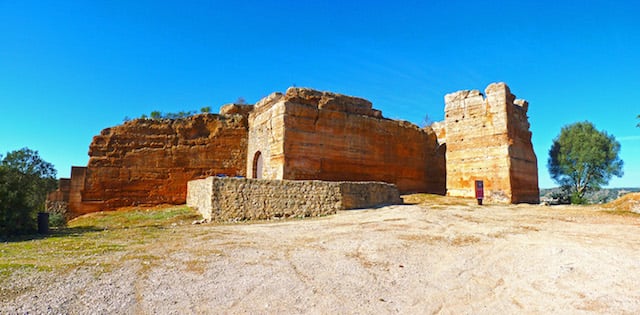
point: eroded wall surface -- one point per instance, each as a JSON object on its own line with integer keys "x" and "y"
{"x": 232, "y": 199}
{"x": 149, "y": 162}
{"x": 306, "y": 134}
{"x": 488, "y": 139}
{"x": 524, "y": 164}
{"x": 266, "y": 139}
{"x": 328, "y": 136}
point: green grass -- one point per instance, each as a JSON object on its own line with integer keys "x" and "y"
{"x": 88, "y": 239}
{"x": 437, "y": 200}
{"x": 134, "y": 218}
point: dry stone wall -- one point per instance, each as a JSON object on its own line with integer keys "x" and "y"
{"x": 231, "y": 199}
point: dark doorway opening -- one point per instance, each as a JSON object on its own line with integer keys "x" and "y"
{"x": 257, "y": 165}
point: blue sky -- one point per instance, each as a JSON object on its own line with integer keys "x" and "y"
{"x": 69, "y": 69}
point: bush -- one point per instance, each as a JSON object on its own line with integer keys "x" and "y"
{"x": 25, "y": 180}
{"x": 57, "y": 220}
{"x": 57, "y": 213}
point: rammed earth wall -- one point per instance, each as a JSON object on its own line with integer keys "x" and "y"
{"x": 228, "y": 199}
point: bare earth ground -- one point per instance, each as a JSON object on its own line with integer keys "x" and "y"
{"x": 421, "y": 259}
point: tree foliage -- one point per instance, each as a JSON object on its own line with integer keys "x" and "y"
{"x": 583, "y": 159}
{"x": 25, "y": 180}
{"x": 158, "y": 115}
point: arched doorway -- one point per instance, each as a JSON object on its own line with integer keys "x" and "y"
{"x": 257, "y": 165}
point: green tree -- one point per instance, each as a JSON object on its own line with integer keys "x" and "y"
{"x": 583, "y": 159}
{"x": 25, "y": 180}
{"x": 156, "y": 115}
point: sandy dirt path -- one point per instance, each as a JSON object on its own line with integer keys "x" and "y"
{"x": 455, "y": 259}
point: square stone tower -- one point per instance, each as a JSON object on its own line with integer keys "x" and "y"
{"x": 488, "y": 139}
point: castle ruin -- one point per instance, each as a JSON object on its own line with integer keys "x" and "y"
{"x": 305, "y": 134}
{"x": 488, "y": 139}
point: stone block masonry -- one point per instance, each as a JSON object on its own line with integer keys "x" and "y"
{"x": 230, "y": 199}
{"x": 488, "y": 139}
{"x": 148, "y": 161}
{"x": 311, "y": 135}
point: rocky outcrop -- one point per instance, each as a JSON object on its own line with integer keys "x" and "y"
{"x": 147, "y": 161}
{"x": 488, "y": 139}
{"x": 308, "y": 134}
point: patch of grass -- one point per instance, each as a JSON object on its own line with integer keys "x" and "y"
{"x": 623, "y": 213}
{"x": 464, "y": 240}
{"x": 431, "y": 199}
{"x": 136, "y": 217}
{"x": 88, "y": 239}
{"x": 423, "y": 238}
{"x": 7, "y": 269}
{"x": 512, "y": 231}
{"x": 195, "y": 266}
{"x": 461, "y": 240}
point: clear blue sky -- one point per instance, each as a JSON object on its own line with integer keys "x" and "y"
{"x": 68, "y": 69}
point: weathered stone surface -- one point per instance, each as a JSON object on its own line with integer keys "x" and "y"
{"x": 331, "y": 101}
{"x": 230, "y": 199}
{"x": 231, "y": 109}
{"x": 150, "y": 161}
{"x": 312, "y": 135}
{"x": 308, "y": 134}
{"x": 489, "y": 139}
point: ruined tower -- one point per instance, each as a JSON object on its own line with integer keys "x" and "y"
{"x": 307, "y": 134}
{"x": 488, "y": 139}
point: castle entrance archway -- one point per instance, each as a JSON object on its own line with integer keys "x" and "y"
{"x": 257, "y": 165}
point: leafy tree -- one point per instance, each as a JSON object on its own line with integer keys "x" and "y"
{"x": 582, "y": 159}
{"x": 156, "y": 114}
{"x": 206, "y": 109}
{"x": 25, "y": 180}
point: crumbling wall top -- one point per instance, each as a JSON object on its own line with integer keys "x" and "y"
{"x": 322, "y": 100}
{"x": 233, "y": 108}
{"x": 498, "y": 92}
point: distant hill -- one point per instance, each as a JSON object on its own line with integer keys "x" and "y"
{"x": 601, "y": 196}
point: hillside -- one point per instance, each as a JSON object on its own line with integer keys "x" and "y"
{"x": 601, "y": 196}
{"x": 434, "y": 255}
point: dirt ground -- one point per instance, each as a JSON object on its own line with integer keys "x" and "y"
{"x": 452, "y": 258}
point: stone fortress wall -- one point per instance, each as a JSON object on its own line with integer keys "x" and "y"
{"x": 488, "y": 139}
{"x": 233, "y": 199}
{"x": 305, "y": 134}
{"x": 148, "y": 162}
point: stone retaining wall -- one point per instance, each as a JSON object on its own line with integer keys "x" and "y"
{"x": 230, "y": 199}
